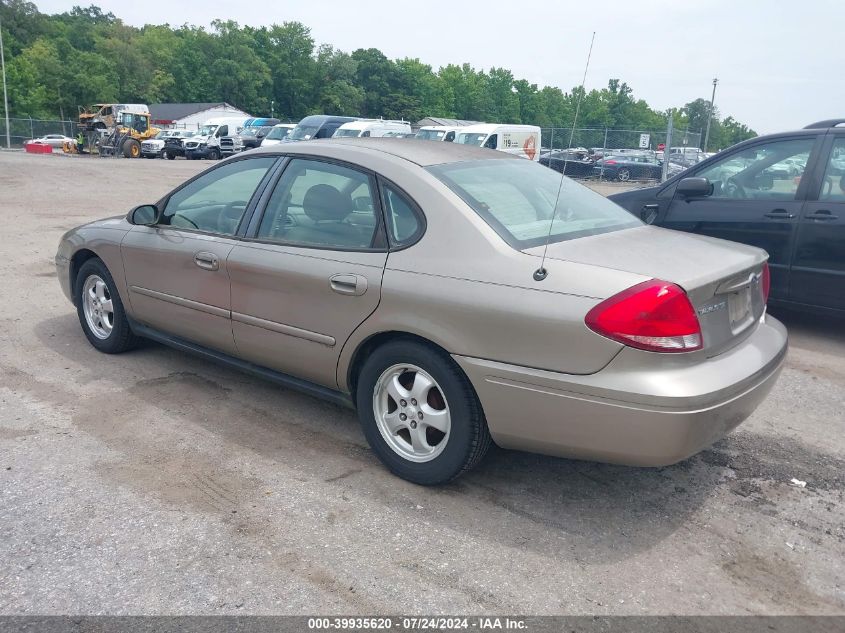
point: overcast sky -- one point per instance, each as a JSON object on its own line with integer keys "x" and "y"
{"x": 780, "y": 63}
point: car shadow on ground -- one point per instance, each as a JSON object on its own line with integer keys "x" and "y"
{"x": 589, "y": 512}
{"x": 821, "y": 332}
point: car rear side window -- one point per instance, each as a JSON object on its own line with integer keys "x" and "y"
{"x": 519, "y": 199}
{"x": 403, "y": 223}
{"x": 216, "y": 201}
{"x": 833, "y": 185}
{"x": 321, "y": 205}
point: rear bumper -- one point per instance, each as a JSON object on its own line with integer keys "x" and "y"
{"x": 635, "y": 411}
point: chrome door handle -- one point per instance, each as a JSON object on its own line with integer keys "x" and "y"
{"x": 821, "y": 214}
{"x": 207, "y": 261}
{"x": 348, "y": 284}
{"x": 779, "y": 214}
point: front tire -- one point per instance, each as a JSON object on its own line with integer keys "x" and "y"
{"x": 100, "y": 309}
{"x": 623, "y": 175}
{"x": 131, "y": 148}
{"x": 420, "y": 413}
{"x": 213, "y": 154}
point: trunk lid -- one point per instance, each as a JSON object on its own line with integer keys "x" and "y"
{"x": 723, "y": 280}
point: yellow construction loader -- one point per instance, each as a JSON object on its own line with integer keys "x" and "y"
{"x": 130, "y": 129}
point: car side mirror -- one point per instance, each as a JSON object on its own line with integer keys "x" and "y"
{"x": 694, "y": 187}
{"x": 144, "y": 215}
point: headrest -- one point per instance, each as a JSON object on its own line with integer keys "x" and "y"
{"x": 324, "y": 202}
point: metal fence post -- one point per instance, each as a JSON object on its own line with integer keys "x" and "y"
{"x": 667, "y": 149}
{"x": 603, "y": 154}
{"x": 31, "y": 129}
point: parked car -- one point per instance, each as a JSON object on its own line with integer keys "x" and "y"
{"x": 53, "y": 140}
{"x": 454, "y": 295}
{"x": 278, "y": 134}
{"x": 252, "y": 137}
{"x": 739, "y": 194}
{"x": 569, "y": 163}
{"x": 175, "y": 145}
{"x": 317, "y": 126}
{"x": 628, "y": 167}
{"x": 155, "y": 147}
{"x": 216, "y": 139}
{"x": 372, "y": 127}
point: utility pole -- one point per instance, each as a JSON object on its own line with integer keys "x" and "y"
{"x": 5, "y": 95}
{"x": 710, "y": 114}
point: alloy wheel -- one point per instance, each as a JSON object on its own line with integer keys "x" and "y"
{"x": 97, "y": 307}
{"x": 411, "y": 413}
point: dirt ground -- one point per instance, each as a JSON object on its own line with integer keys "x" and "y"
{"x": 154, "y": 482}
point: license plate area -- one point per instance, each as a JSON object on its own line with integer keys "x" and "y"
{"x": 740, "y": 311}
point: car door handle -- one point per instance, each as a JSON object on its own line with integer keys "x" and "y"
{"x": 207, "y": 261}
{"x": 821, "y": 214}
{"x": 779, "y": 214}
{"x": 348, "y": 284}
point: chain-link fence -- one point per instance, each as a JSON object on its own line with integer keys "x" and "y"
{"x": 619, "y": 155}
{"x": 22, "y": 130}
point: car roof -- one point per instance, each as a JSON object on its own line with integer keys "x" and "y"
{"x": 423, "y": 153}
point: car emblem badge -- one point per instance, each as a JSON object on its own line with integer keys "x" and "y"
{"x": 713, "y": 307}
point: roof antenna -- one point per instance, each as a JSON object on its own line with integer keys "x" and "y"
{"x": 541, "y": 273}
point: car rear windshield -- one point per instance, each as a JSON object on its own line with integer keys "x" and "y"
{"x": 278, "y": 133}
{"x": 517, "y": 198}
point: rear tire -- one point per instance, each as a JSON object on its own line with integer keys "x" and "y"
{"x": 100, "y": 309}
{"x": 434, "y": 396}
{"x": 170, "y": 155}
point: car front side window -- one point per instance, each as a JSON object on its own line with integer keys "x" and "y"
{"x": 759, "y": 172}
{"x": 216, "y": 201}
{"x": 321, "y": 205}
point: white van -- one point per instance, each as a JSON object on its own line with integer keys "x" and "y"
{"x": 279, "y": 132}
{"x": 445, "y": 133}
{"x": 371, "y": 127}
{"x": 216, "y": 138}
{"x": 522, "y": 140}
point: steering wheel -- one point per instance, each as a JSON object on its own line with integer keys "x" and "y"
{"x": 184, "y": 219}
{"x": 733, "y": 189}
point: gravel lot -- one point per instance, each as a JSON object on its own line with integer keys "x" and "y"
{"x": 155, "y": 482}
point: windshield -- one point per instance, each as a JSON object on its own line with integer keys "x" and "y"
{"x": 163, "y": 134}
{"x": 474, "y": 138}
{"x": 303, "y": 132}
{"x": 341, "y": 132}
{"x": 250, "y": 131}
{"x": 431, "y": 135}
{"x": 278, "y": 133}
{"x": 207, "y": 130}
{"x": 517, "y": 197}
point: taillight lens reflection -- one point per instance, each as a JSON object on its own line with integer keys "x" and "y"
{"x": 766, "y": 282}
{"x": 655, "y": 315}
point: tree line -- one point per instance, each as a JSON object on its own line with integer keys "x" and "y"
{"x": 56, "y": 63}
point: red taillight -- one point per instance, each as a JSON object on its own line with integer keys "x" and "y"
{"x": 610, "y": 162}
{"x": 766, "y": 281}
{"x": 655, "y": 315}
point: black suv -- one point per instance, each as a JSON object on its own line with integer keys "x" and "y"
{"x": 783, "y": 192}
